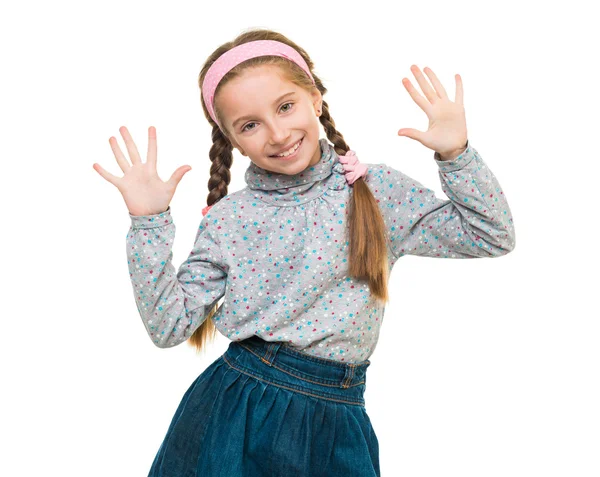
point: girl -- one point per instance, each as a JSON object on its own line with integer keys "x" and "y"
{"x": 302, "y": 256}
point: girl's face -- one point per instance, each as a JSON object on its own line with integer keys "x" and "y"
{"x": 265, "y": 114}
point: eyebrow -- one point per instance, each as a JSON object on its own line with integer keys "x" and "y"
{"x": 275, "y": 102}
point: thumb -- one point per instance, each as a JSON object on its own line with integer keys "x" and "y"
{"x": 411, "y": 133}
{"x": 178, "y": 174}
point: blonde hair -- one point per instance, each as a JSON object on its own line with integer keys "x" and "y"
{"x": 367, "y": 233}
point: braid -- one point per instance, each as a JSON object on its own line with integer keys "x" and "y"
{"x": 369, "y": 251}
{"x": 334, "y": 136}
{"x": 221, "y": 157}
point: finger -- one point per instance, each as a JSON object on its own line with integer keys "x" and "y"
{"x": 114, "y": 180}
{"x": 411, "y": 133}
{"x": 178, "y": 174}
{"x": 134, "y": 155}
{"x": 414, "y": 94}
{"x": 459, "y": 90}
{"x": 119, "y": 156}
{"x": 151, "y": 160}
{"x": 430, "y": 94}
{"x": 441, "y": 92}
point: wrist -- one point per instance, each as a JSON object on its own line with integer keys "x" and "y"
{"x": 451, "y": 155}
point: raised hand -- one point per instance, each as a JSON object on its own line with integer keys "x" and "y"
{"x": 144, "y": 192}
{"x": 447, "y": 133}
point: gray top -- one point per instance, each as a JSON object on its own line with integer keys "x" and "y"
{"x": 278, "y": 253}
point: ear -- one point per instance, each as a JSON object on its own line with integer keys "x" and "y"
{"x": 317, "y": 98}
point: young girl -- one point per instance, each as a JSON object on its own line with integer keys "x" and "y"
{"x": 302, "y": 257}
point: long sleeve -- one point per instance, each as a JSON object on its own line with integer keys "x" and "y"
{"x": 475, "y": 221}
{"x": 173, "y": 304}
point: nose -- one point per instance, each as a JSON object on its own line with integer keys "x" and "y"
{"x": 280, "y": 135}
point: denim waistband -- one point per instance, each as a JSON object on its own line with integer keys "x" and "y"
{"x": 279, "y": 364}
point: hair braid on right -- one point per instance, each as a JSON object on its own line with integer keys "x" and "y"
{"x": 367, "y": 232}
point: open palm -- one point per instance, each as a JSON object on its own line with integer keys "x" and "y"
{"x": 447, "y": 130}
{"x": 143, "y": 191}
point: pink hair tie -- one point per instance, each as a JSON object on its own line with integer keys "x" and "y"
{"x": 353, "y": 168}
{"x": 206, "y": 209}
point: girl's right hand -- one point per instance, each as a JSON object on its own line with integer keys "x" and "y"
{"x": 144, "y": 192}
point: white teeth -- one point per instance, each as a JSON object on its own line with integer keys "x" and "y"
{"x": 290, "y": 151}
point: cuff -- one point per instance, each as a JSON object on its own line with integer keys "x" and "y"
{"x": 461, "y": 161}
{"x": 151, "y": 221}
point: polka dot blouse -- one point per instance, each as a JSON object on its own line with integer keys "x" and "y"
{"x": 277, "y": 251}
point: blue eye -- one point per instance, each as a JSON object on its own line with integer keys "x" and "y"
{"x": 244, "y": 128}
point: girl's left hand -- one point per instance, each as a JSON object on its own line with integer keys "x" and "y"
{"x": 447, "y": 133}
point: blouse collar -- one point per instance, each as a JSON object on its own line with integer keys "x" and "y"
{"x": 312, "y": 182}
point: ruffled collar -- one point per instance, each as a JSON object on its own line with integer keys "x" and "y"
{"x": 312, "y": 182}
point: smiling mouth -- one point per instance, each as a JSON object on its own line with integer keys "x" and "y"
{"x": 292, "y": 154}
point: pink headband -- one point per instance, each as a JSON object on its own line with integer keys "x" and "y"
{"x": 241, "y": 53}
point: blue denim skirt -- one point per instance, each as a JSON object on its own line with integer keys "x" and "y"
{"x": 265, "y": 409}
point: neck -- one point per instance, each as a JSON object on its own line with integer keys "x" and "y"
{"x": 286, "y": 189}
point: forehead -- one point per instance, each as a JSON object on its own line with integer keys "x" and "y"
{"x": 254, "y": 89}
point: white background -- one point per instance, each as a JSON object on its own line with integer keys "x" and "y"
{"x": 484, "y": 367}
